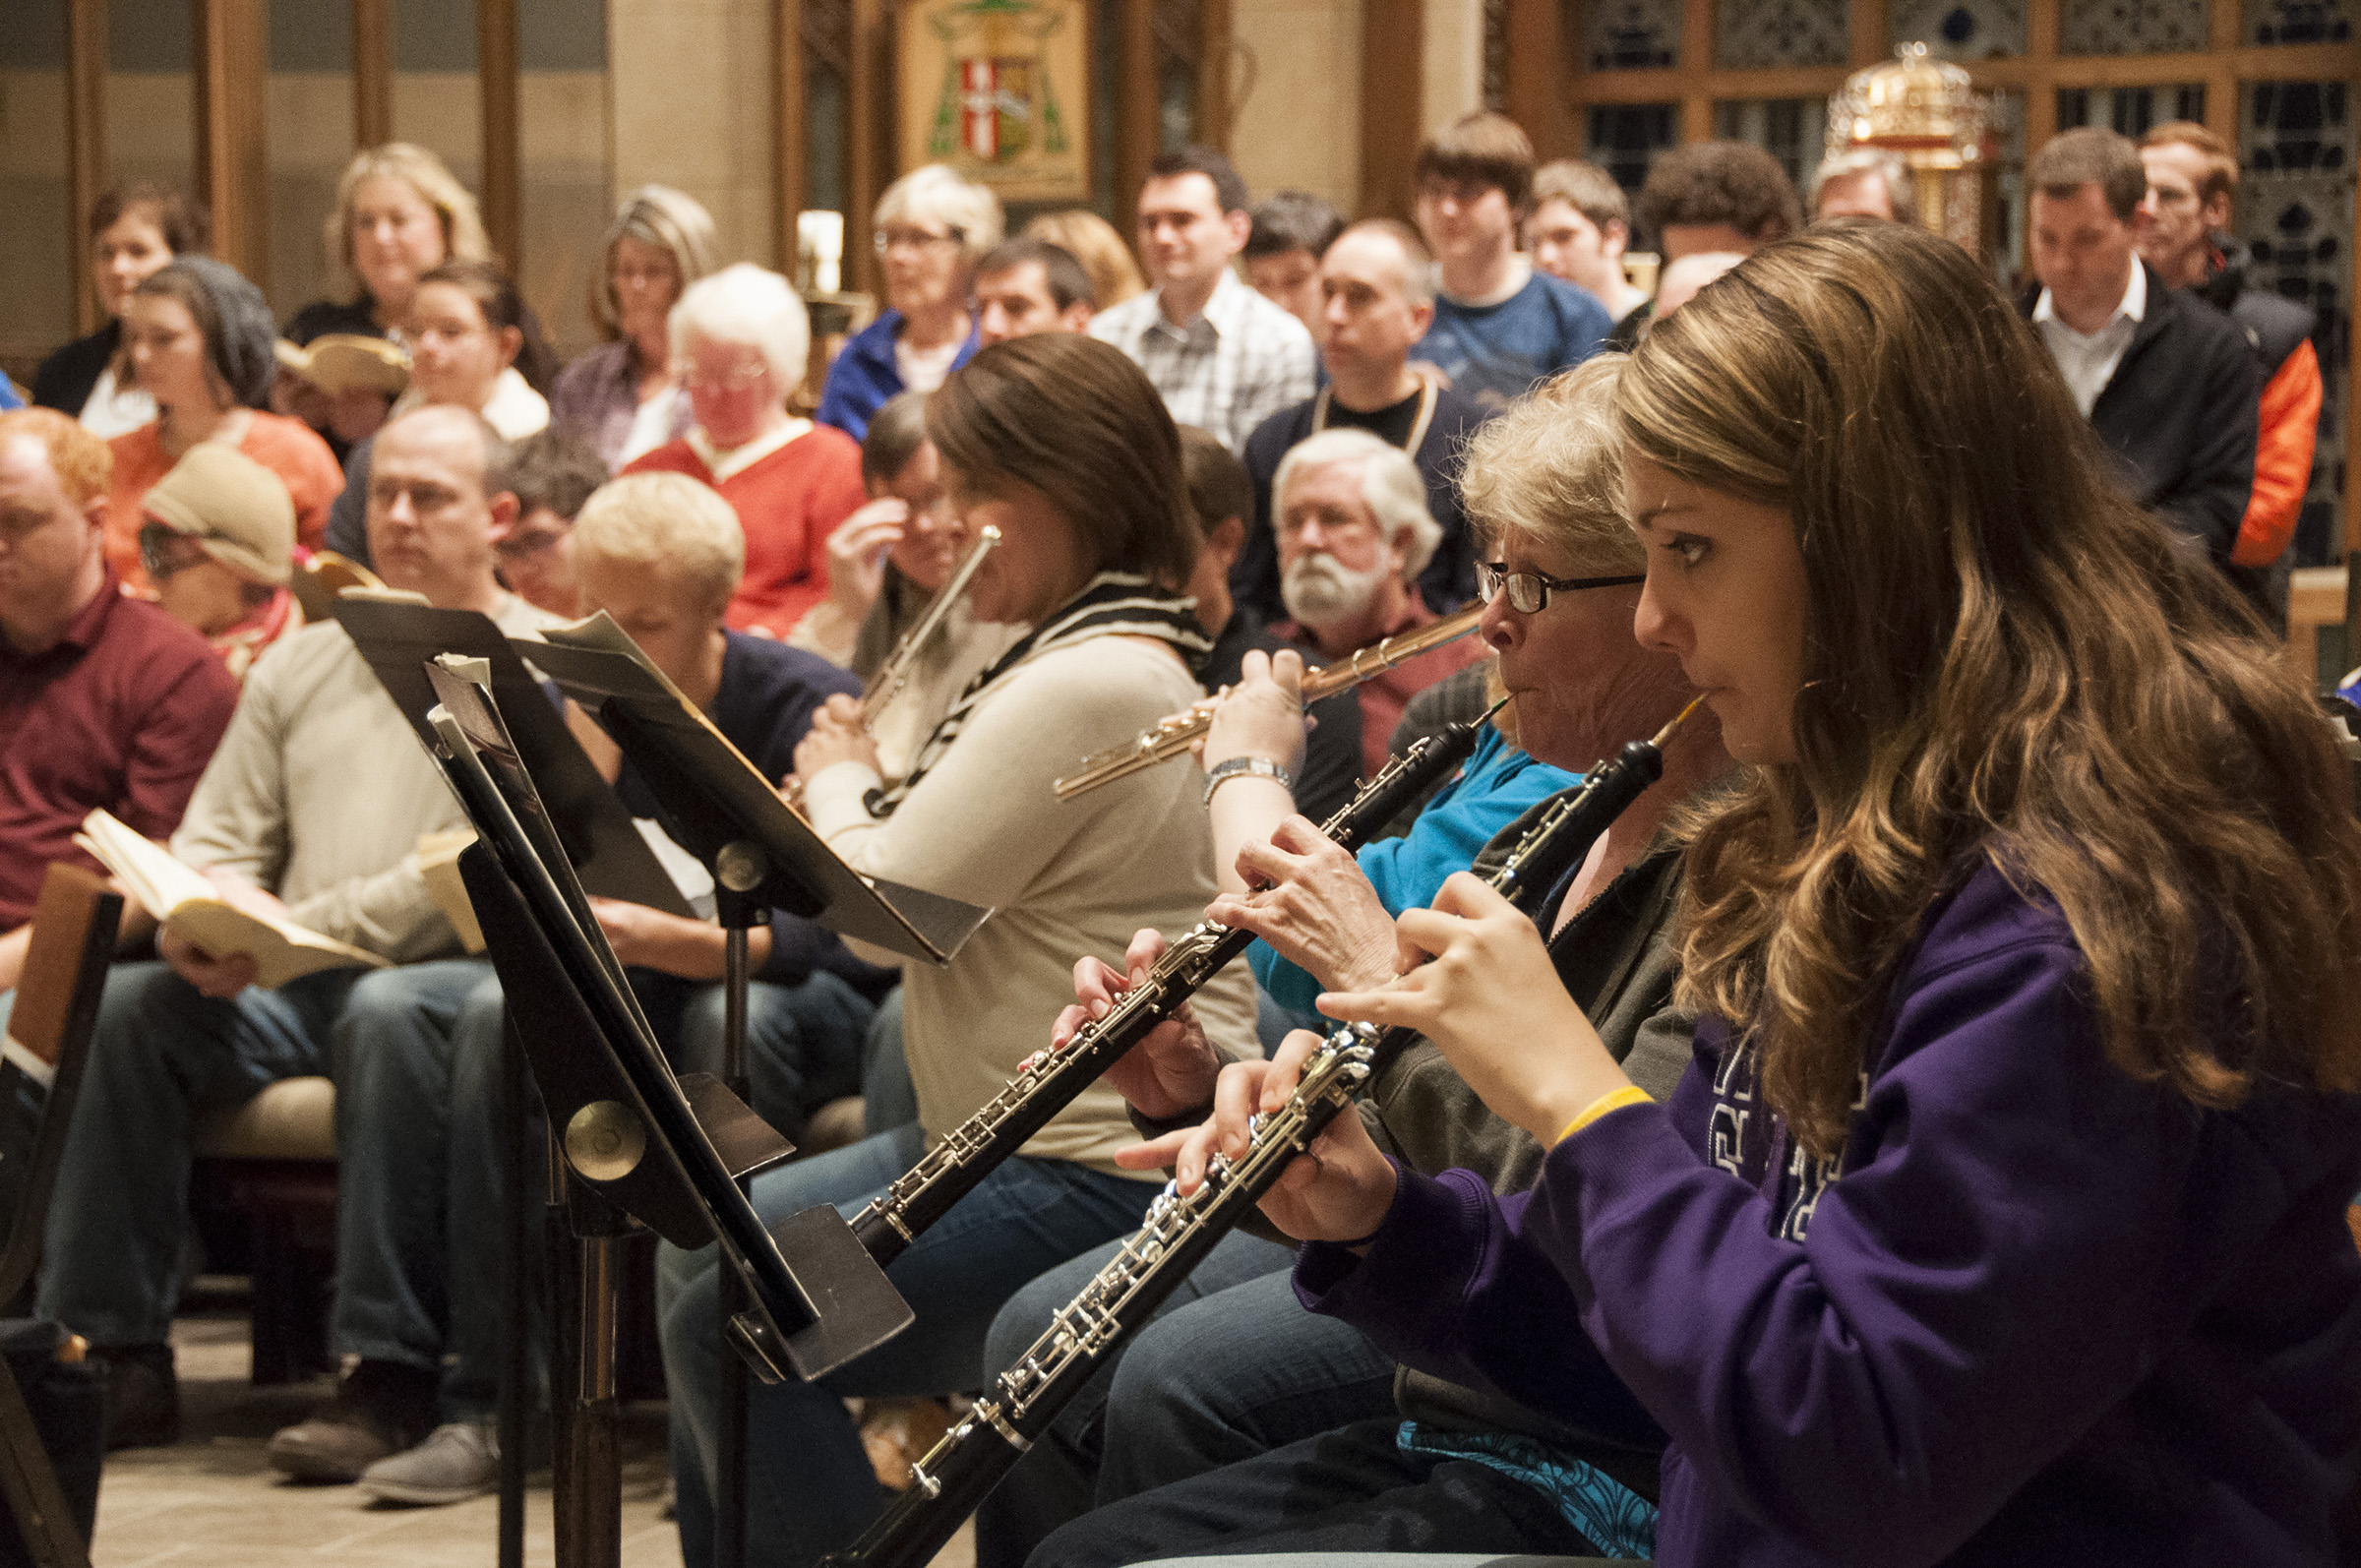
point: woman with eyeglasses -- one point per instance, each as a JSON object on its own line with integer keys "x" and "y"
{"x": 932, "y": 228}
{"x": 473, "y": 344}
{"x": 197, "y": 337}
{"x": 623, "y": 396}
{"x": 739, "y": 341}
{"x": 218, "y": 542}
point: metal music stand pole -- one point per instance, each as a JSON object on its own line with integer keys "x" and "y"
{"x": 739, "y": 870}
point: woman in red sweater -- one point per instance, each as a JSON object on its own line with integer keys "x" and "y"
{"x": 739, "y": 342}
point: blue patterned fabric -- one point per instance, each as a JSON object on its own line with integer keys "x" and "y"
{"x": 1616, "y": 1520}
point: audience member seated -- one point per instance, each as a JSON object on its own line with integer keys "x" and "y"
{"x": 2166, "y": 381}
{"x": 2021, "y": 1237}
{"x": 1499, "y": 326}
{"x": 422, "y": 1188}
{"x": 1354, "y": 534}
{"x": 2184, "y": 235}
{"x": 283, "y": 820}
{"x": 931, "y": 227}
{"x": 1548, "y": 482}
{"x": 472, "y": 346}
{"x": 1290, "y": 230}
{"x": 1222, "y": 356}
{"x": 400, "y": 214}
{"x": 1063, "y": 445}
{"x": 1377, "y": 286}
{"x": 135, "y": 229}
{"x": 1098, "y": 245}
{"x": 552, "y": 474}
{"x": 887, "y": 564}
{"x": 1682, "y": 279}
{"x": 1717, "y": 196}
{"x": 1025, "y": 287}
{"x": 740, "y": 339}
{"x": 1221, "y": 495}
{"x": 623, "y": 396}
{"x": 1863, "y": 183}
{"x": 1579, "y": 227}
{"x": 220, "y": 545}
{"x": 107, "y": 703}
{"x": 198, "y": 339}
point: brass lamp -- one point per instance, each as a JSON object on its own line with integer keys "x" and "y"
{"x": 1924, "y": 112}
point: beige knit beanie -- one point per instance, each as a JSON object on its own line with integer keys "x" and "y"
{"x": 233, "y": 506}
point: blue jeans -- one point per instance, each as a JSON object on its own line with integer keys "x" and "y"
{"x": 423, "y": 1187}
{"x": 1231, "y": 1367}
{"x": 164, "y": 1059}
{"x": 810, "y": 1486}
{"x": 888, "y": 1099}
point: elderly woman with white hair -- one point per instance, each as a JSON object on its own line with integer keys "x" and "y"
{"x": 739, "y": 341}
{"x": 1353, "y": 533}
{"x": 623, "y": 399}
{"x": 932, "y": 228}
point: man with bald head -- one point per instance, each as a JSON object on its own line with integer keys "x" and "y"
{"x": 312, "y": 808}
{"x": 1378, "y": 290}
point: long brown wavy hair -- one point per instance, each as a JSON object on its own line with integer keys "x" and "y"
{"x": 2004, "y": 656}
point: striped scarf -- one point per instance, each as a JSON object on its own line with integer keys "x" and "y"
{"x": 1110, "y": 604}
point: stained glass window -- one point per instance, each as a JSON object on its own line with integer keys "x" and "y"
{"x": 1625, "y": 137}
{"x": 2133, "y": 27}
{"x": 1750, "y": 35}
{"x": 2130, "y": 111}
{"x": 1959, "y": 29}
{"x": 2295, "y": 212}
{"x": 1631, "y": 34}
{"x": 1793, "y": 131}
{"x": 2271, "y": 22}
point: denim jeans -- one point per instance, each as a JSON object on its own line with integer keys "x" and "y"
{"x": 888, "y": 1099}
{"x": 423, "y": 1184}
{"x": 809, "y": 1483}
{"x": 164, "y": 1059}
{"x": 1232, "y": 1366}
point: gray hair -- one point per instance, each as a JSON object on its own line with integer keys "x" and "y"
{"x": 1901, "y": 194}
{"x": 1421, "y": 273}
{"x": 1390, "y": 487}
{"x": 1550, "y": 469}
{"x": 666, "y": 521}
{"x": 750, "y": 306}
{"x": 933, "y": 194}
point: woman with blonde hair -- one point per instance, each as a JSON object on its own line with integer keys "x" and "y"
{"x": 622, "y": 398}
{"x": 2001, "y": 1215}
{"x": 932, "y": 228}
{"x": 1094, "y": 242}
{"x": 399, "y": 214}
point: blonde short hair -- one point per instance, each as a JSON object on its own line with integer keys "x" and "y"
{"x": 933, "y": 194}
{"x": 463, "y": 237}
{"x": 1390, "y": 487}
{"x": 750, "y": 306}
{"x": 666, "y": 523}
{"x": 1550, "y": 469}
{"x": 1094, "y": 242}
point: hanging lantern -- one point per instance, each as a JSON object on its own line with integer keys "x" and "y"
{"x": 1926, "y": 112}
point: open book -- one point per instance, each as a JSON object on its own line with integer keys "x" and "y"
{"x": 341, "y": 362}
{"x": 185, "y": 900}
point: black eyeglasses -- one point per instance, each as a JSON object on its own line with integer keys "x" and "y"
{"x": 165, "y": 550}
{"x": 1528, "y": 592}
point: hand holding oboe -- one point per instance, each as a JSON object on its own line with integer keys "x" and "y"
{"x": 1172, "y": 1070}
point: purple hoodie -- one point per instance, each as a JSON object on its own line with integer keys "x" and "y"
{"x": 2035, "y": 1313}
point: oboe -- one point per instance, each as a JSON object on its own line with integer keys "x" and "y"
{"x": 1178, "y": 732}
{"x": 894, "y": 673}
{"x": 971, "y": 1459}
{"x": 1049, "y": 1080}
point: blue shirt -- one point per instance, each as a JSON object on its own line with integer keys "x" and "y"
{"x": 1499, "y": 785}
{"x": 1495, "y": 353}
{"x": 8, "y": 396}
{"x": 865, "y": 375}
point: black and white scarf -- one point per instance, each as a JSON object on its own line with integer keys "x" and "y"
{"x": 1110, "y": 604}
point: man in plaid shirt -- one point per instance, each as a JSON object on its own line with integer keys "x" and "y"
{"x": 1224, "y": 357}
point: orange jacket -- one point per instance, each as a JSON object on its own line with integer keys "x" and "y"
{"x": 2290, "y": 421}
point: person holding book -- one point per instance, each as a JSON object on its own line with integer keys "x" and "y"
{"x": 311, "y": 810}
{"x": 1060, "y": 442}
{"x": 107, "y": 703}
{"x": 423, "y": 1189}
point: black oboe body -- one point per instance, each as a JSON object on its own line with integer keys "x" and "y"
{"x": 1179, "y": 1232}
{"x": 1050, "y": 1080}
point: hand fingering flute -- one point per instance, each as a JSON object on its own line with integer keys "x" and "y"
{"x": 1178, "y": 732}
{"x": 955, "y": 1477}
{"x": 1050, "y": 1079}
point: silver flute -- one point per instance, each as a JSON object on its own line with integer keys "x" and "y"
{"x": 894, "y": 673}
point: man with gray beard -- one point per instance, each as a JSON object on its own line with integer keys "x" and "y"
{"x": 1353, "y": 535}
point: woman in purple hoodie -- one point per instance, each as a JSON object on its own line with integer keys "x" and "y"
{"x": 2000, "y": 1219}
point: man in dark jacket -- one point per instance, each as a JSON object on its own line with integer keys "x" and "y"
{"x": 2166, "y": 381}
{"x": 2192, "y": 185}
